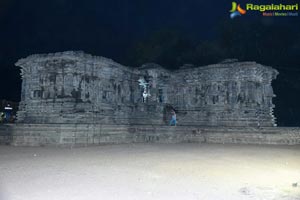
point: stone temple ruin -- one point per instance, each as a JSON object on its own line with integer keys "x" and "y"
{"x": 73, "y": 87}
{"x": 73, "y": 98}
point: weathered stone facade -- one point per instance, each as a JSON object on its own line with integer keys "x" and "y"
{"x": 73, "y": 87}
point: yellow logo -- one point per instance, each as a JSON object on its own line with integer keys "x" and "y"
{"x": 265, "y": 9}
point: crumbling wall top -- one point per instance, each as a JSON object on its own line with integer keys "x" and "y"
{"x": 78, "y": 56}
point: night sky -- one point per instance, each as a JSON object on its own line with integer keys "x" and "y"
{"x": 168, "y": 32}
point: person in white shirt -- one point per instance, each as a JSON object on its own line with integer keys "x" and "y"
{"x": 8, "y": 111}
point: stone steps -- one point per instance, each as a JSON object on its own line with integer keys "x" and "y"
{"x": 91, "y": 134}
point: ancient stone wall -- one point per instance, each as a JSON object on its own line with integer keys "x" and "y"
{"x": 225, "y": 94}
{"x": 95, "y": 134}
{"x": 73, "y": 87}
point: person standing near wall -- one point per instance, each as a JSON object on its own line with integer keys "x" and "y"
{"x": 173, "y": 118}
{"x": 8, "y": 112}
{"x": 2, "y": 116}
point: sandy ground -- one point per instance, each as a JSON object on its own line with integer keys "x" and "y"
{"x": 150, "y": 171}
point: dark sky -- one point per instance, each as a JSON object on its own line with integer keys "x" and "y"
{"x": 103, "y": 27}
{"x": 112, "y": 28}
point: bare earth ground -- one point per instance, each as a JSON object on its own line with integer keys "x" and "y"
{"x": 150, "y": 171}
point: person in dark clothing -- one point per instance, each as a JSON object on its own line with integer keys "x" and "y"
{"x": 8, "y": 112}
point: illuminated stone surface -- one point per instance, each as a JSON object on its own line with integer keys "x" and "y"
{"x": 74, "y": 87}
